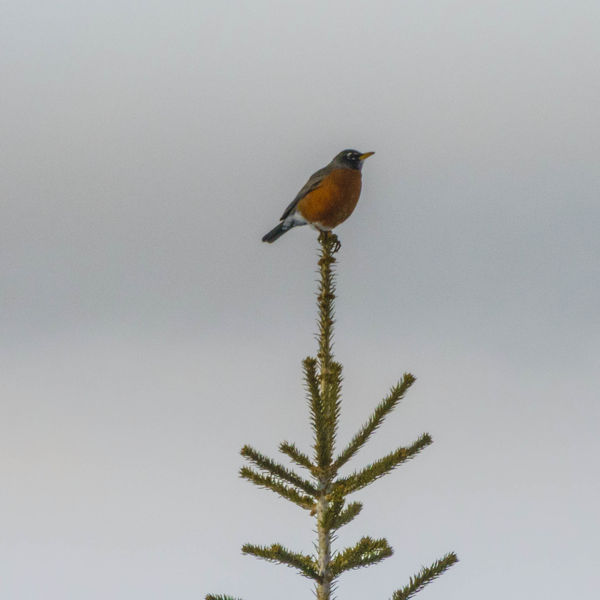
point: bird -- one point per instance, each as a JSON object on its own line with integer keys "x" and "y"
{"x": 327, "y": 199}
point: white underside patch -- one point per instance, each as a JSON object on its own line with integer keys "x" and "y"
{"x": 294, "y": 220}
{"x": 320, "y": 227}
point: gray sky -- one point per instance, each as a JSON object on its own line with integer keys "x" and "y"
{"x": 147, "y": 334}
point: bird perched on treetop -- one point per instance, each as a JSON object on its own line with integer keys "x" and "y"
{"x": 328, "y": 197}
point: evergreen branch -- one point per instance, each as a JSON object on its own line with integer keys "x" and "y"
{"x": 330, "y": 514}
{"x": 220, "y": 597}
{"x": 347, "y": 515}
{"x": 311, "y": 381}
{"x": 332, "y": 402}
{"x": 328, "y": 372}
{"x": 425, "y": 576}
{"x": 383, "y": 466}
{"x": 317, "y": 412}
{"x": 383, "y": 409}
{"x": 287, "y": 492}
{"x": 337, "y": 516}
{"x": 326, "y": 296}
{"x": 277, "y": 470}
{"x": 298, "y": 457}
{"x": 366, "y": 552}
{"x": 277, "y": 553}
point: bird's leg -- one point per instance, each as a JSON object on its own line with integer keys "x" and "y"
{"x": 329, "y": 236}
{"x": 336, "y": 242}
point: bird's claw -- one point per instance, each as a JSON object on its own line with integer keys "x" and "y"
{"x": 329, "y": 236}
{"x": 336, "y": 244}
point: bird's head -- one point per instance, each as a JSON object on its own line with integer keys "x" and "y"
{"x": 351, "y": 159}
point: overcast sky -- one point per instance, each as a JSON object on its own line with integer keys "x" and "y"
{"x": 148, "y": 334}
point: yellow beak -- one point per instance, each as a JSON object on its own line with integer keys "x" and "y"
{"x": 366, "y": 155}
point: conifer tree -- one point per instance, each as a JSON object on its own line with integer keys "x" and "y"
{"x": 320, "y": 489}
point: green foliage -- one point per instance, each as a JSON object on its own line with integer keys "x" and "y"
{"x": 337, "y": 516}
{"x": 325, "y": 493}
{"x": 298, "y": 457}
{"x": 362, "y": 478}
{"x": 366, "y": 552}
{"x": 277, "y": 470}
{"x": 277, "y": 553}
{"x": 318, "y": 416}
{"x": 219, "y": 597}
{"x": 375, "y": 420}
{"x": 424, "y": 576}
{"x": 332, "y": 404}
{"x": 285, "y": 491}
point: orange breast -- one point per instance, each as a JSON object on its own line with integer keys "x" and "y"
{"x": 334, "y": 200}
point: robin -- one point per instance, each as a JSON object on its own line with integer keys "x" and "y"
{"x": 328, "y": 197}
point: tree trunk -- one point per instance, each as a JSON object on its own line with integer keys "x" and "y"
{"x": 324, "y": 585}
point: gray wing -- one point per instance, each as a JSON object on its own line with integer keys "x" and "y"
{"x": 313, "y": 183}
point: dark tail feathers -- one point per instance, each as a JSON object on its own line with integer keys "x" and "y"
{"x": 275, "y": 233}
